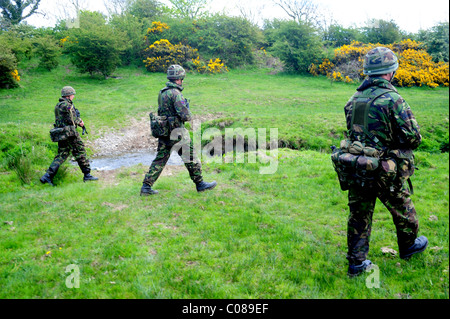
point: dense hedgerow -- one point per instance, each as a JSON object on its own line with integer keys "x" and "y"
{"x": 416, "y": 67}
{"x": 162, "y": 53}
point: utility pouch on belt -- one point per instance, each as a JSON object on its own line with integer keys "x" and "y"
{"x": 59, "y": 134}
{"x": 159, "y": 126}
{"x": 358, "y": 170}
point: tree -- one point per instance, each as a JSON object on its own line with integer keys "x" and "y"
{"x": 381, "y": 31}
{"x": 230, "y": 39}
{"x": 189, "y": 9}
{"x": 145, "y": 9}
{"x": 437, "y": 41}
{"x": 95, "y": 47}
{"x": 337, "y": 36}
{"x": 296, "y": 44}
{"x": 49, "y": 51}
{"x": 301, "y": 10}
{"x": 14, "y": 11}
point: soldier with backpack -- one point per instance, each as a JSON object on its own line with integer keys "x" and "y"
{"x": 377, "y": 160}
{"x": 167, "y": 126}
{"x": 67, "y": 118}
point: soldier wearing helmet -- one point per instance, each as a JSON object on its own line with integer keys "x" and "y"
{"x": 67, "y": 118}
{"x": 173, "y": 106}
{"x": 378, "y": 117}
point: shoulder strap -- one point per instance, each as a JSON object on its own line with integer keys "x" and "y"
{"x": 361, "y": 108}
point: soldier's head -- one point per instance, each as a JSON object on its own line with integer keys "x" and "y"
{"x": 176, "y": 72}
{"x": 380, "y": 61}
{"x": 68, "y": 92}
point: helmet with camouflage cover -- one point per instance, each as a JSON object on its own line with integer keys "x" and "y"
{"x": 380, "y": 61}
{"x": 67, "y": 91}
{"x": 176, "y": 72}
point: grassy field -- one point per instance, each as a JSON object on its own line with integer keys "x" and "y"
{"x": 276, "y": 236}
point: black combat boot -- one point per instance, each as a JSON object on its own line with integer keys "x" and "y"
{"x": 88, "y": 177}
{"x": 47, "y": 179}
{"x": 147, "y": 190}
{"x": 356, "y": 270}
{"x": 420, "y": 245}
{"x": 203, "y": 186}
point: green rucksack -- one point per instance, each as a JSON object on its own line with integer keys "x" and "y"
{"x": 356, "y": 164}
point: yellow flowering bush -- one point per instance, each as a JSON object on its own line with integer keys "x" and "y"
{"x": 416, "y": 67}
{"x": 156, "y": 28}
{"x": 9, "y": 76}
{"x": 161, "y": 54}
{"x": 213, "y": 66}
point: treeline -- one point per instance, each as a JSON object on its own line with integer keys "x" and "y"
{"x": 149, "y": 34}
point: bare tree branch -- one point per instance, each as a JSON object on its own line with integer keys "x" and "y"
{"x": 300, "y": 10}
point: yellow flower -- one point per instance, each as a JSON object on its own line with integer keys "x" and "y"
{"x": 15, "y": 75}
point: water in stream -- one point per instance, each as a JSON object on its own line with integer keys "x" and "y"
{"x": 107, "y": 163}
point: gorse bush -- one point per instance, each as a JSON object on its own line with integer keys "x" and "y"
{"x": 161, "y": 54}
{"x": 9, "y": 76}
{"x": 416, "y": 67}
{"x": 212, "y": 67}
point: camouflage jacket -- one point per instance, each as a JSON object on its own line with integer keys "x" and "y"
{"x": 390, "y": 118}
{"x": 66, "y": 114}
{"x": 172, "y": 103}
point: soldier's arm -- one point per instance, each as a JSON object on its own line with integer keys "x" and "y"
{"x": 75, "y": 115}
{"x": 408, "y": 130}
{"x": 182, "y": 108}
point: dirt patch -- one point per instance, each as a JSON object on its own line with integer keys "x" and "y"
{"x": 134, "y": 137}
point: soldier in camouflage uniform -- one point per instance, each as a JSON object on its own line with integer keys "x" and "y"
{"x": 171, "y": 103}
{"x": 388, "y": 125}
{"x": 66, "y": 115}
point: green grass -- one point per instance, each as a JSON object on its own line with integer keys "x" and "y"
{"x": 255, "y": 236}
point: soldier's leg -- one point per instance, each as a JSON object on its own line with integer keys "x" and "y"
{"x": 191, "y": 162}
{"x": 60, "y": 158}
{"x": 79, "y": 152}
{"x": 359, "y": 225}
{"x": 157, "y": 166}
{"x": 404, "y": 215}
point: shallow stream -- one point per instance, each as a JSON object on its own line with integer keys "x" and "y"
{"x": 107, "y": 163}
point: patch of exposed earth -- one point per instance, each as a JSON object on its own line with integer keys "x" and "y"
{"x": 132, "y": 138}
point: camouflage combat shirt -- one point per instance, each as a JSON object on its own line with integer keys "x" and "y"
{"x": 172, "y": 103}
{"x": 66, "y": 113}
{"x": 390, "y": 118}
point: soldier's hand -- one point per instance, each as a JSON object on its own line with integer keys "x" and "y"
{"x": 81, "y": 123}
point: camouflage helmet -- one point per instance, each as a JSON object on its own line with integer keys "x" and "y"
{"x": 379, "y": 61}
{"x": 176, "y": 72}
{"x": 67, "y": 91}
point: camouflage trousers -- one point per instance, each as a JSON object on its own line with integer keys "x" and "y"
{"x": 165, "y": 148}
{"x": 75, "y": 146}
{"x": 359, "y": 225}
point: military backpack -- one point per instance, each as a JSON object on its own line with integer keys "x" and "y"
{"x": 356, "y": 164}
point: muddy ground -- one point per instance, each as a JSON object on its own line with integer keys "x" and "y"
{"x": 132, "y": 138}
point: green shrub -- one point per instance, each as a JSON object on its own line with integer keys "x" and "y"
{"x": 95, "y": 47}
{"x": 9, "y": 76}
{"x": 48, "y": 51}
{"x": 296, "y": 44}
